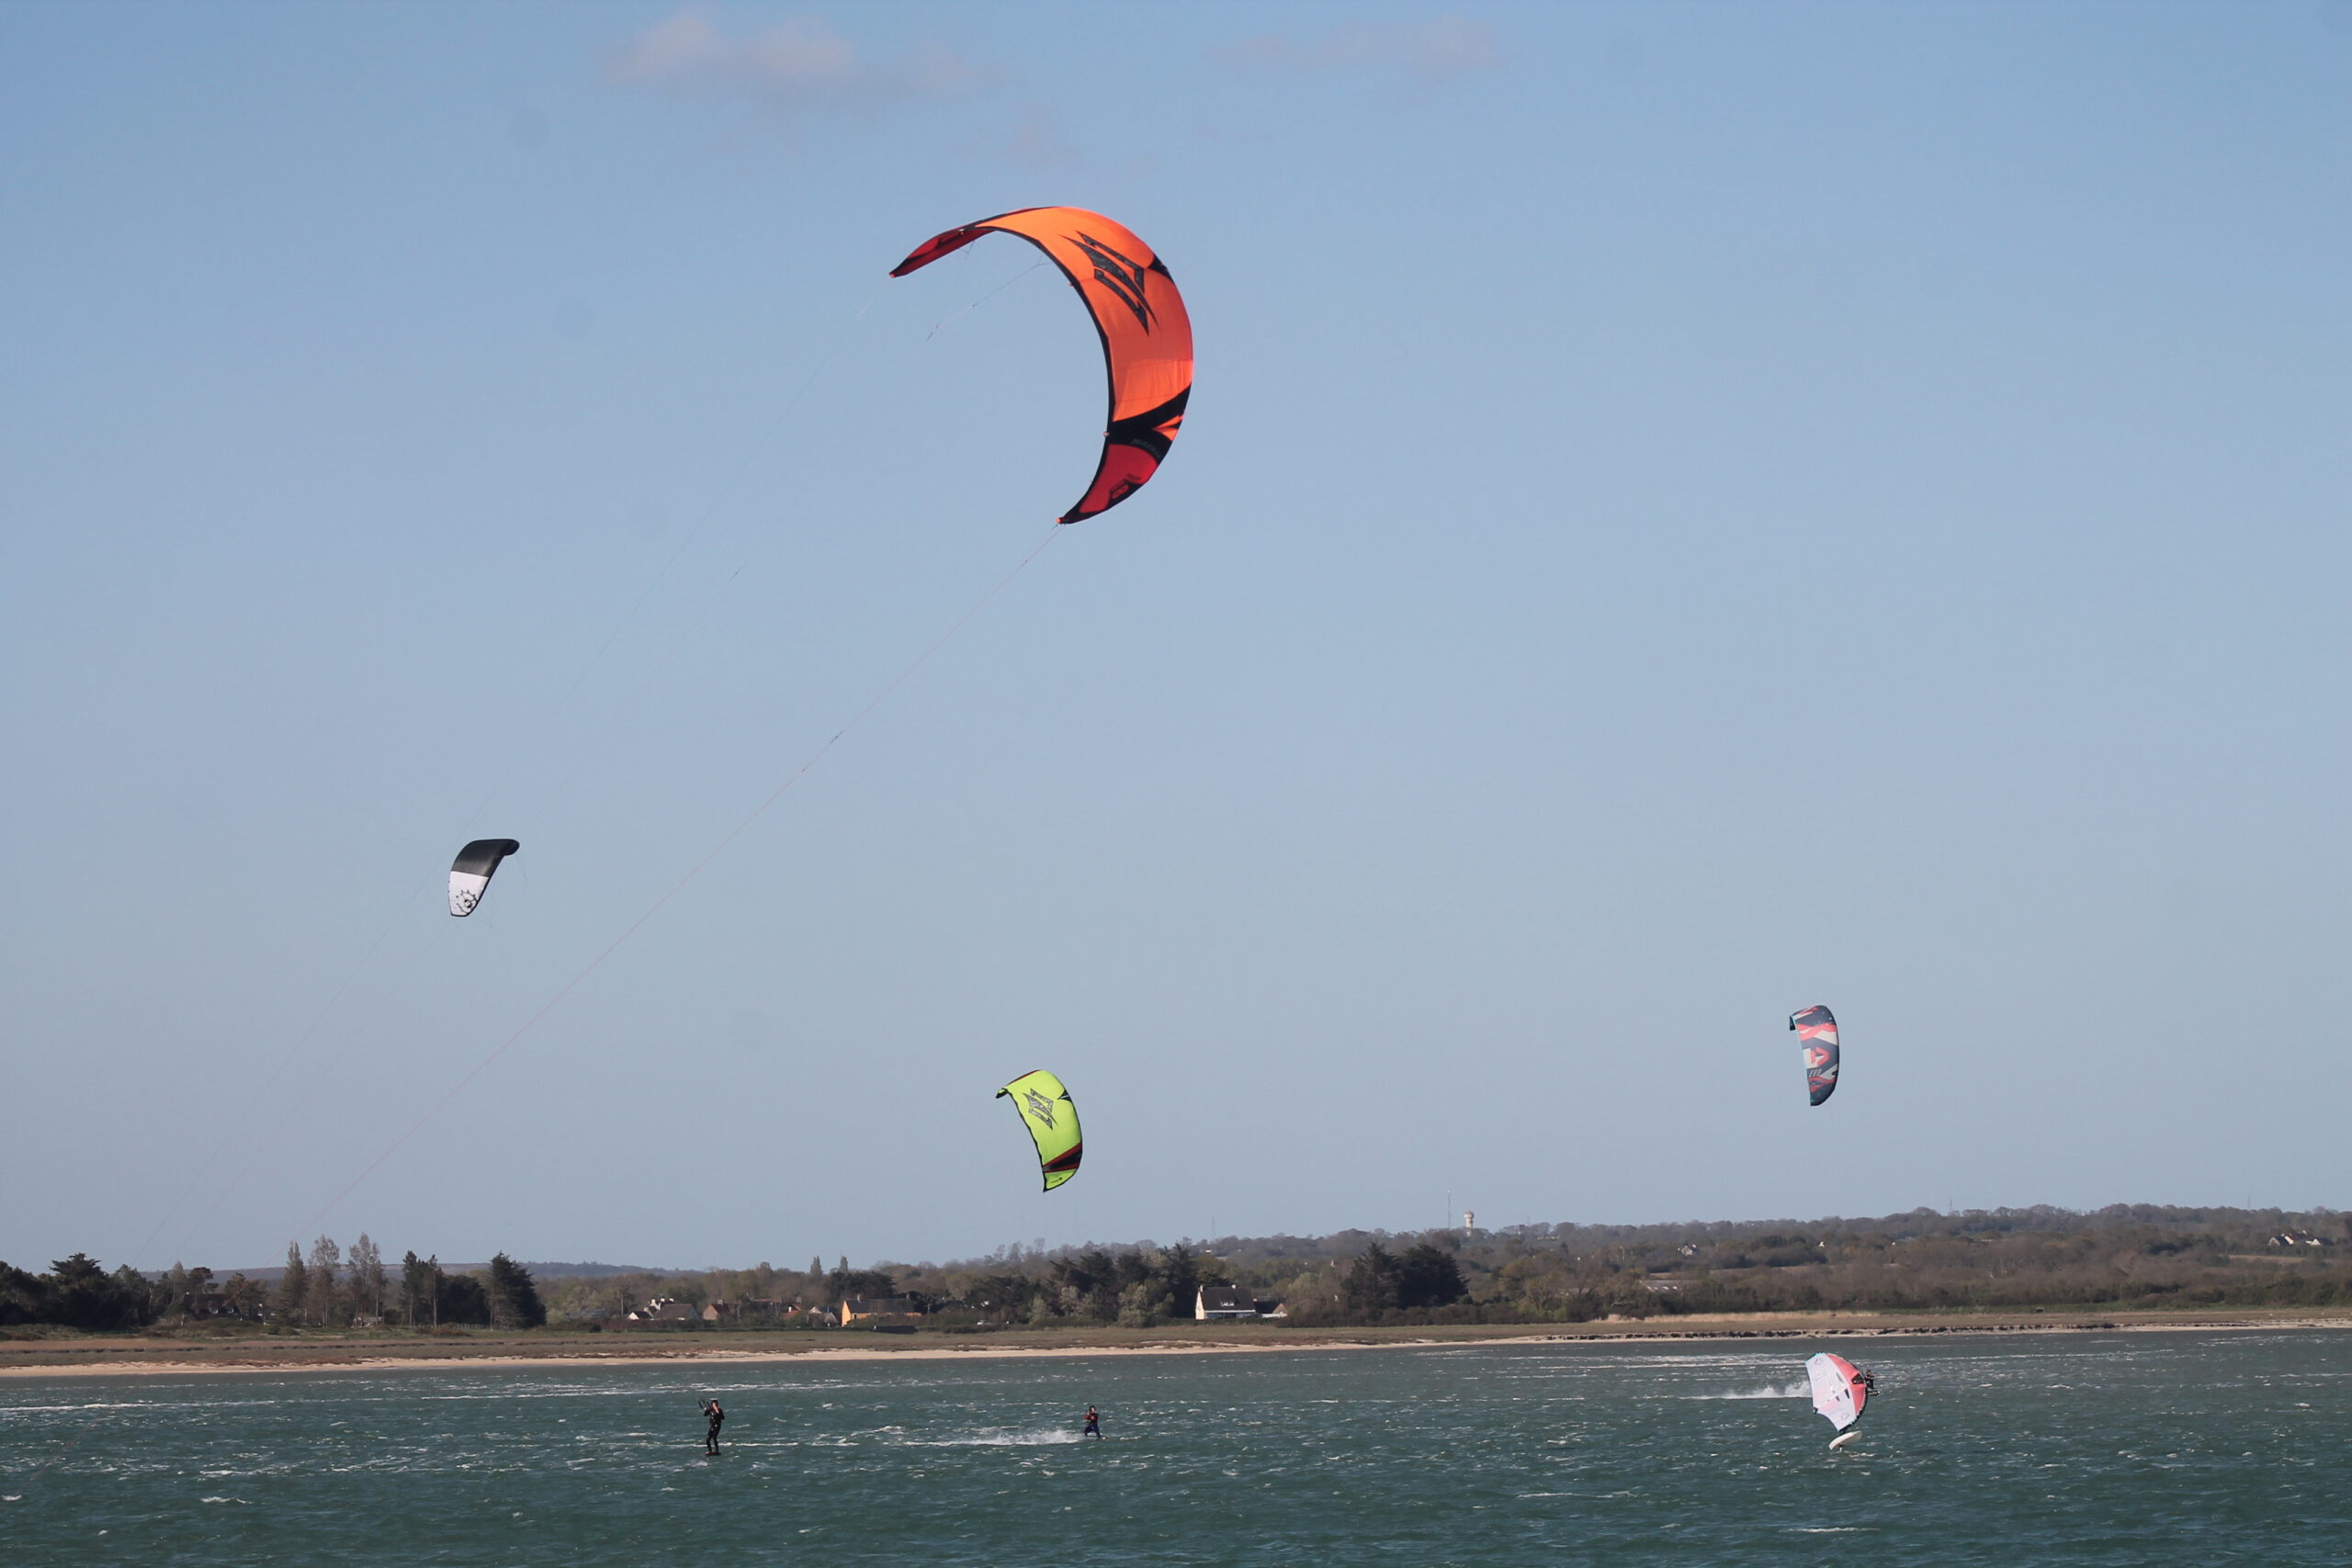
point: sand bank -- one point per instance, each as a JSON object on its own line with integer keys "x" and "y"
{"x": 155, "y": 1356}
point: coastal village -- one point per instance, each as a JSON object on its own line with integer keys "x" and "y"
{"x": 1211, "y": 1304}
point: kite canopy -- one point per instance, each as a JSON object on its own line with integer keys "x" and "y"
{"x": 1146, "y": 337}
{"x": 1045, "y": 1106}
{"x": 1838, "y": 1391}
{"x": 1817, "y": 1033}
{"x": 471, "y": 871}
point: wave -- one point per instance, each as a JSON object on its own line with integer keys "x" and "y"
{"x": 1769, "y": 1391}
{"x": 1035, "y": 1437}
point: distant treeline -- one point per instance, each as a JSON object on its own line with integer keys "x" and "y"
{"x": 2134, "y": 1255}
{"x": 324, "y": 1291}
{"x": 2126, "y": 1256}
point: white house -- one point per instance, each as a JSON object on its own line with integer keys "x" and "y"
{"x": 1230, "y": 1302}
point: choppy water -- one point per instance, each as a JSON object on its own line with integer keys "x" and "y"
{"x": 2124, "y": 1449}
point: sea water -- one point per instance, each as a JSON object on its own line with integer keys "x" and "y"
{"x": 2121, "y": 1449}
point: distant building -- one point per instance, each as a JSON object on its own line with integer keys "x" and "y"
{"x": 878, "y": 1309}
{"x": 2297, "y": 1239}
{"x": 718, "y": 1312}
{"x": 663, "y": 1310}
{"x": 1215, "y": 1301}
{"x": 767, "y": 1309}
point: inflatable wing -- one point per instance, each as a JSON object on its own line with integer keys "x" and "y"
{"x": 1838, "y": 1391}
{"x": 471, "y": 873}
{"x": 1817, "y": 1033}
{"x": 1147, "y": 337}
{"x": 1045, "y": 1106}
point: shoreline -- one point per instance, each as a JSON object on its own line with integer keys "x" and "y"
{"x": 140, "y": 1356}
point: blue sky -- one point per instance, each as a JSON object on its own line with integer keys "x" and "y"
{"x": 1688, "y": 511}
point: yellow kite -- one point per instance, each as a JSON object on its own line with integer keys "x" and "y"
{"x": 1044, "y": 1105}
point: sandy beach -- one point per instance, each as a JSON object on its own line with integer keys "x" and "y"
{"x": 160, "y": 1355}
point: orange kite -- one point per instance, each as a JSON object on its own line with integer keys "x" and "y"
{"x": 1146, "y": 337}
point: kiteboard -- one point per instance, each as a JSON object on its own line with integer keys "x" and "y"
{"x": 1842, "y": 1438}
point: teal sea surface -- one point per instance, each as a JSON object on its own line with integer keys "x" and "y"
{"x": 2109, "y": 1449}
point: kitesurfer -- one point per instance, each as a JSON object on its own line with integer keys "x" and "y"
{"x": 715, "y": 1417}
{"x": 1869, "y": 1382}
{"x": 1093, "y": 1424}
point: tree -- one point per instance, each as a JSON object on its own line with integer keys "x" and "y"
{"x": 82, "y": 1294}
{"x": 846, "y": 1282}
{"x": 514, "y": 1297}
{"x": 416, "y": 1290}
{"x": 293, "y": 1287}
{"x": 176, "y": 1293}
{"x": 1086, "y": 1285}
{"x": 24, "y": 1297}
{"x": 135, "y": 1301}
{"x": 460, "y": 1298}
{"x": 245, "y": 1299}
{"x": 1371, "y": 1283}
{"x": 1427, "y": 1276}
{"x": 365, "y": 1282}
{"x": 1002, "y": 1297}
{"x": 322, "y": 1303}
{"x": 1184, "y": 1272}
{"x": 199, "y": 1285}
{"x": 78, "y": 1293}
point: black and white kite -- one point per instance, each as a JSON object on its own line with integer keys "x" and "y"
{"x": 471, "y": 873}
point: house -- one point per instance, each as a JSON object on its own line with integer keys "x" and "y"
{"x": 663, "y": 1311}
{"x": 1232, "y": 1301}
{"x": 878, "y": 1309}
{"x": 718, "y": 1312}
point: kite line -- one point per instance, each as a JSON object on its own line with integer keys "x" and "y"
{"x": 679, "y": 886}
{"x": 516, "y": 758}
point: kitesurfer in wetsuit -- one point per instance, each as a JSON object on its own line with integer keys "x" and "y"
{"x": 716, "y": 1416}
{"x": 1869, "y": 1382}
{"x": 1093, "y": 1424}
